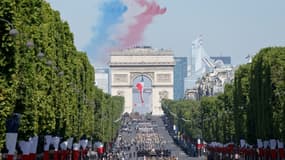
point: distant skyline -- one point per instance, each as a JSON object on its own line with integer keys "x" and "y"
{"x": 229, "y": 28}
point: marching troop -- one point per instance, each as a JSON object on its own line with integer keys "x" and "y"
{"x": 266, "y": 149}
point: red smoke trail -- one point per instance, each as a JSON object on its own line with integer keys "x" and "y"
{"x": 135, "y": 32}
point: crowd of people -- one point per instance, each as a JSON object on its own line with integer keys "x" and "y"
{"x": 138, "y": 138}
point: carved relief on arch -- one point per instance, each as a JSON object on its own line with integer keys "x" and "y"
{"x": 163, "y": 77}
{"x": 119, "y": 78}
{"x": 163, "y": 95}
{"x": 135, "y": 74}
{"x": 150, "y": 75}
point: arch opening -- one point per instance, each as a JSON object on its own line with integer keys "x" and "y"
{"x": 142, "y": 94}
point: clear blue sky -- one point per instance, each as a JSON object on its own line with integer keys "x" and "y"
{"x": 233, "y": 28}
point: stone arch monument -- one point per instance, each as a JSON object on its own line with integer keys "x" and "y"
{"x": 143, "y": 76}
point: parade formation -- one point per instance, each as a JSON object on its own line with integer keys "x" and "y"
{"x": 56, "y": 103}
{"x": 145, "y": 138}
{"x": 140, "y": 137}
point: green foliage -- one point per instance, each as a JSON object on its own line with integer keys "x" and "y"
{"x": 59, "y": 98}
{"x": 209, "y": 118}
{"x": 266, "y": 109}
{"x": 253, "y": 107}
{"x": 185, "y": 115}
{"x": 240, "y": 101}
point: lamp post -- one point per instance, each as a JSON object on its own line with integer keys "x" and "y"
{"x": 40, "y": 55}
{"x": 13, "y": 31}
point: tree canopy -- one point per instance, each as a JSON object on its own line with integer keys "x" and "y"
{"x": 251, "y": 108}
{"x": 45, "y": 79}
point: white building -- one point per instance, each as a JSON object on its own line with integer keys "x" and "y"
{"x": 214, "y": 82}
{"x": 207, "y": 77}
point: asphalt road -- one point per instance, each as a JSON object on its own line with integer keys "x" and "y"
{"x": 127, "y": 143}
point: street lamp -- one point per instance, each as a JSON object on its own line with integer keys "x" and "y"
{"x": 30, "y": 44}
{"x": 61, "y": 73}
{"x": 40, "y": 55}
{"x": 13, "y": 31}
{"x": 49, "y": 62}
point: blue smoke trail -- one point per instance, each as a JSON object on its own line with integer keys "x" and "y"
{"x": 111, "y": 15}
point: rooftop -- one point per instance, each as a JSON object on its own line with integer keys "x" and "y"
{"x": 142, "y": 51}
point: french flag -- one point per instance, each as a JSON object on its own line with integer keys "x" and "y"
{"x": 140, "y": 86}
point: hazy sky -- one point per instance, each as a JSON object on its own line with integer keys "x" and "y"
{"x": 233, "y": 28}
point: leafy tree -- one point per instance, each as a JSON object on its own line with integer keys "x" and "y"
{"x": 240, "y": 101}
{"x": 251, "y": 108}
{"x": 53, "y": 91}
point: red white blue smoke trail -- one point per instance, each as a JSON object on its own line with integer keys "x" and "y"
{"x": 121, "y": 25}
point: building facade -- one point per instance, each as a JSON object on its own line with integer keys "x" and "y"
{"x": 102, "y": 78}
{"x": 225, "y": 59}
{"x": 212, "y": 83}
{"x": 180, "y": 72}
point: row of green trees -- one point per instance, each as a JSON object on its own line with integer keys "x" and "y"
{"x": 259, "y": 96}
{"x": 250, "y": 108}
{"x": 45, "y": 79}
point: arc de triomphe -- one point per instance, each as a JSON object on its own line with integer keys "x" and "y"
{"x": 143, "y": 76}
